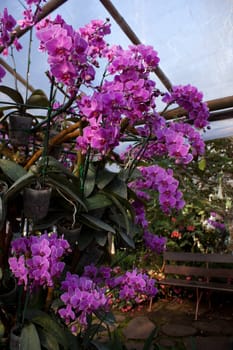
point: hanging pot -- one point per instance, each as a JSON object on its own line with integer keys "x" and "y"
{"x": 36, "y": 202}
{"x": 56, "y": 150}
{"x": 71, "y": 234}
{"x": 19, "y": 128}
{"x": 24, "y": 337}
{"x": 15, "y": 339}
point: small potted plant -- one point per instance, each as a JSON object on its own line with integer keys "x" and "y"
{"x": 38, "y": 257}
{"x": 20, "y": 121}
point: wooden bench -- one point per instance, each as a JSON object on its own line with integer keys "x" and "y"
{"x": 200, "y": 271}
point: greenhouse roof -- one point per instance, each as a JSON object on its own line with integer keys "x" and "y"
{"x": 194, "y": 40}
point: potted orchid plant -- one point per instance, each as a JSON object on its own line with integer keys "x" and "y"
{"x": 19, "y": 120}
{"x": 96, "y": 182}
{"x": 36, "y": 263}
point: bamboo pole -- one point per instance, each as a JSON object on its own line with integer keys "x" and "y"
{"x": 64, "y": 135}
{"x": 221, "y": 115}
{"x": 214, "y": 105}
{"x": 16, "y": 75}
{"x": 133, "y": 37}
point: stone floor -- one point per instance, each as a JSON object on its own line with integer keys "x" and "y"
{"x": 175, "y": 327}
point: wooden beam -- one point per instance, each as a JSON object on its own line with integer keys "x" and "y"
{"x": 133, "y": 37}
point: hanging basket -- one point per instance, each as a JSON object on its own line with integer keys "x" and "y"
{"x": 19, "y": 128}
{"x": 36, "y": 203}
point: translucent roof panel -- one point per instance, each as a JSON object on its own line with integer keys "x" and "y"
{"x": 194, "y": 39}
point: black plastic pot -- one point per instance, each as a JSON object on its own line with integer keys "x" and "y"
{"x": 36, "y": 202}
{"x": 15, "y": 339}
{"x": 19, "y": 128}
{"x": 69, "y": 233}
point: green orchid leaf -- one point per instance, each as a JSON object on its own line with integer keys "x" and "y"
{"x": 61, "y": 183}
{"x": 101, "y": 238}
{"x": 29, "y": 338}
{"x": 125, "y": 173}
{"x": 89, "y": 183}
{"x": 127, "y": 239}
{"x": 119, "y": 221}
{"x": 119, "y": 187}
{"x": 98, "y": 201}
{"x": 96, "y": 223}
{"x": 89, "y": 334}
{"x": 6, "y": 108}
{"x": 120, "y": 207}
{"x": 54, "y": 166}
{"x": 104, "y": 177}
{"x": 127, "y": 205}
{"x": 18, "y": 185}
{"x": 48, "y": 324}
{"x": 106, "y": 317}
{"x": 48, "y": 340}
{"x": 11, "y": 169}
{"x": 37, "y": 99}
{"x": 124, "y": 201}
{"x": 13, "y": 94}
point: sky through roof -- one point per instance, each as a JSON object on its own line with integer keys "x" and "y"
{"x": 194, "y": 39}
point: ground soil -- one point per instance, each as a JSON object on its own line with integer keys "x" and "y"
{"x": 176, "y": 327}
